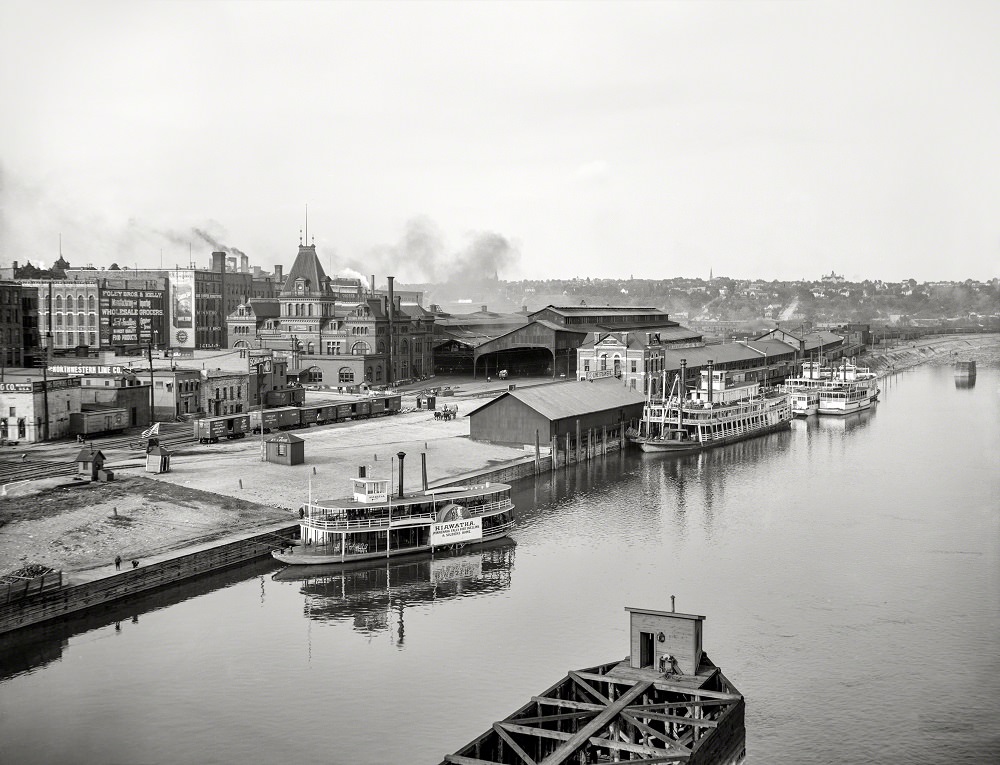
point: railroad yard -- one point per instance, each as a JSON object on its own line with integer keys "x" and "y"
{"x": 212, "y": 489}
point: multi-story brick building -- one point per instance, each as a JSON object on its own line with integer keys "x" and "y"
{"x": 334, "y": 332}
{"x": 11, "y": 325}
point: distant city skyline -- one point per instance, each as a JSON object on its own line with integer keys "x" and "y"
{"x": 531, "y": 140}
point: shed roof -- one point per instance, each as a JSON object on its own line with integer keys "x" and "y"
{"x": 557, "y": 401}
{"x": 284, "y": 438}
{"x": 88, "y": 455}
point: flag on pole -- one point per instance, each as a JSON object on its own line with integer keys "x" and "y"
{"x": 153, "y": 430}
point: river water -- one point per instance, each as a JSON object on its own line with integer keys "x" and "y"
{"x": 849, "y": 570}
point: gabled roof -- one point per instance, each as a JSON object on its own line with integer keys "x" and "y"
{"x": 557, "y": 401}
{"x": 637, "y": 337}
{"x": 86, "y": 455}
{"x": 599, "y": 310}
{"x": 306, "y": 266}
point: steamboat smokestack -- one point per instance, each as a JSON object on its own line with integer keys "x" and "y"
{"x": 710, "y": 386}
{"x": 401, "y": 456}
{"x": 680, "y": 392}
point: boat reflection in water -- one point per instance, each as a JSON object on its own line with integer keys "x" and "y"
{"x": 847, "y": 422}
{"x": 372, "y": 595}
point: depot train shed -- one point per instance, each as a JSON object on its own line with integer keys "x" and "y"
{"x": 555, "y": 411}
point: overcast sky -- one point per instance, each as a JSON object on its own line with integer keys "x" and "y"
{"x": 759, "y": 140}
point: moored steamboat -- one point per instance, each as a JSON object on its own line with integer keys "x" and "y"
{"x": 373, "y": 523}
{"x": 721, "y": 410}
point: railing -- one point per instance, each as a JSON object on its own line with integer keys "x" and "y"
{"x": 382, "y": 522}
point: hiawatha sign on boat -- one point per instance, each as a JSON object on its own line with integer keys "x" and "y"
{"x": 456, "y": 532}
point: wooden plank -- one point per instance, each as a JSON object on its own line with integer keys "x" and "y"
{"x": 670, "y": 743}
{"x": 608, "y": 678}
{"x": 647, "y": 715}
{"x": 458, "y": 759}
{"x": 528, "y": 760}
{"x": 589, "y": 689}
{"x": 600, "y": 722}
{"x": 606, "y": 743}
{"x": 554, "y": 718}
{"x": 700, "y": 692}
{"x": 549, "y": 701}
{"x": 692, "y": 703}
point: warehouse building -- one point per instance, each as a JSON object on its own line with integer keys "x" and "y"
{"x": 582, "y": 411}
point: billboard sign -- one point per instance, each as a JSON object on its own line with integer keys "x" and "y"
{"x": 456, "y": 532}
{"x": 181, "y": 309}
{"x": 132, "y": 317}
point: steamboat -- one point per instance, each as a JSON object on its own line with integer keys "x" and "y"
{"x": 373, "y": 523}
{"x": 721, "y": 410}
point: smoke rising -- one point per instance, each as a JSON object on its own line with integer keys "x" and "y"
{"x": 421, "y": 256}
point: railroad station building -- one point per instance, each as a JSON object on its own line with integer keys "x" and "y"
{"x": 335, "y": 333}
{"x": 549, "y": 342}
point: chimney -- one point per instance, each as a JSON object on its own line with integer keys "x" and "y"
{"x": 219, "y": 261}
{"x": 401, "y": 456}
{"x": 390, "y": 376}
{"x": 371, "y": 284}
{"x": 710, "y": 385}
{"x": 244, "y": 264}
{"x": 362, "y": 471}
{"x": 278, "y": 275}
{"x": 483, "y": 308}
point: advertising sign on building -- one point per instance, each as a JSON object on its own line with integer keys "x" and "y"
{"x": 182, "y": 327}
{"x": 456, "y": 532}
{"x": 131, "y": 317}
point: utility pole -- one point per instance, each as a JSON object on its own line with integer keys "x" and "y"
{"x": 149, "y": 351}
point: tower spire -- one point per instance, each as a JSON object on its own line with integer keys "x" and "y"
{"x": 307, "y": 222}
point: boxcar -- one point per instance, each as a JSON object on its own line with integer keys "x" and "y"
{"x": 361, "y": 408}
{"x": 97, "y": 421}
{"x": 208, "y": 430}
{"x": 344, "y": 412}
{"x": 378, "y": 406}
{"x": 281, "y": 418}
{"x": 309, "y": 415}
{"x": 393, "y": 404}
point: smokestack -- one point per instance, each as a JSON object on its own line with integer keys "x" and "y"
{"x": 362, "y": 471}
{"x": 683, "y": 378}
{"x": 244, "y": 264}
{"x": 371, "y": 284}
{"x": 278, "y": 276}
{"x": 390, "y": 376}
{"x": 219, "y": 261}
{"x": 401, "y": 456}
{"x": 710, "y": 386}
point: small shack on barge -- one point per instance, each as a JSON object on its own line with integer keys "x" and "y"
{"x": 666, "y": 702}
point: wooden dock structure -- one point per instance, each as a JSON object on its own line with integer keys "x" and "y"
{"x": 666, "y": 703}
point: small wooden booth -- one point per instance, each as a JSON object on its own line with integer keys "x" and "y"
{"x": 285, "y": 449}
{"x": 89, "y": 463}
{"x": 426, "y": 401}
{"x": 157, "y": 460}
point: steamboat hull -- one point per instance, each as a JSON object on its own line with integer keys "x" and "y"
{"x": 666, "y": 446}
{"x": 320, "y": 556}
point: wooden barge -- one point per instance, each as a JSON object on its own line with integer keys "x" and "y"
{"x": 665, "y": 703}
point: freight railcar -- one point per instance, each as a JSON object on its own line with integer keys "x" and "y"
{"x": 98, "y": 421}
{"x": 209, "y": 430}
{"x": 280, "y": 418}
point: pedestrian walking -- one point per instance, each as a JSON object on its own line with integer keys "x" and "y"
{"x": 118, "y": 563}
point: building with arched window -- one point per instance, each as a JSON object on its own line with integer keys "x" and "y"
{"x": 336, "y": 331}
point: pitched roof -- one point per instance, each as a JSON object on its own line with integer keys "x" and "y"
{"x": 557, "y": 401}
{"x": 306, "y": 266}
